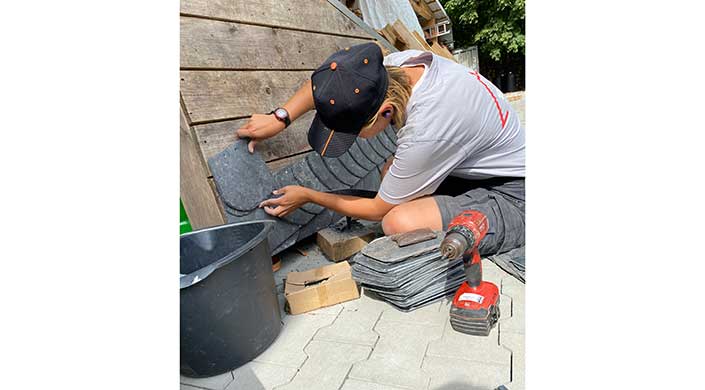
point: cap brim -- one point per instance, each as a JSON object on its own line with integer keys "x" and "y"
{"x": 327, "y": 142}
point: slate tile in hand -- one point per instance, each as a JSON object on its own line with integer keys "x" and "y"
{"x": 285, "y": 177}
{"x": 359, "y": 156}
{"x": 340, "y": 172}
{"x": 369, "y": 152}
{"x": 242, "y": 179}
{"x": 323, "y": 173}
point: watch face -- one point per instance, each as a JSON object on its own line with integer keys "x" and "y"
{"x": 281, "y": 113}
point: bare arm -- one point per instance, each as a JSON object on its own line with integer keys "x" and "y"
{"x": 263, "y": 126}
{"x": 294, "y": 197}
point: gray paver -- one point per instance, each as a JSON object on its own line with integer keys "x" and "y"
{"x": 218, "y": 382}
{"x": 515, "y": 342}
{"x": 397, "y": 357}
{"x": 288, "y": 349}
{"x": 461, "y": 346}
{"x": 327, "y": 365}
{"x": 427, "y": 315}
{"x": 261, "y": 376}
{"x": 514, "y": 289}
{"x": 452, "y": 374}
{"x": 354, "y": 384}
{"x": 355, "y": 323}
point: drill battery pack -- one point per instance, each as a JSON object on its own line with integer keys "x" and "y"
{"x": 475, "y": 310}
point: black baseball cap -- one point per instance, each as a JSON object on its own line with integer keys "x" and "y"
{"x": 348, "y": 89}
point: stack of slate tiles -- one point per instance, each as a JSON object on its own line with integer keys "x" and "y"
{"x": 243, "y": 180}
{"x": 407, "y": 277}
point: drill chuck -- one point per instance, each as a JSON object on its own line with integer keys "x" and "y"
{"x": 453, "y": 245}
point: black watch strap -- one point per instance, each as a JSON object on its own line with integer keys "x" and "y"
{"x": 284, "y": 118}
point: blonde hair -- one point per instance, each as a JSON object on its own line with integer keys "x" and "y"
{"x": 398, "y": 94}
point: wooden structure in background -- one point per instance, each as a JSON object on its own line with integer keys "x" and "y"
{"x": 403, "y": 39}
{"x": 244, "y": 57}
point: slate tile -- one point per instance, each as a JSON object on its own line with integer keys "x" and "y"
{"x": 243, "y": 180}
{"x": 359, "y": 157}
{"x": 299, "y": 217}
{"x": 323, "y": 173}
{"x": 387, "y": 143}
{"x": 340, "y": 172}
{"x": 370, "y": 182}
{"x": 305, "y": 177}
{"x": 352, "y": 165}
{"x": 321, "y": 221}
{"x": 391, "y": 134}
{"x": 369, "y": 152}
{"x": 378, "y": 148}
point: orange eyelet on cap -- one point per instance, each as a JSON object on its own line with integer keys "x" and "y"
{"x": 365, "y": 60}
{"x": 357, "y": 90}
{"x": 332, "y": 101}
{"x": 333, "y": 65}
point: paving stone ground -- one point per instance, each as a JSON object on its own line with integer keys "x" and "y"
{"x": 367, "y": 344}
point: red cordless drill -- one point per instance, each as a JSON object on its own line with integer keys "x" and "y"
{"x": 475, "y": 307}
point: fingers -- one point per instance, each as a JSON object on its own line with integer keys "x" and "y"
{"x": 244, "y": 132}
{"x": 279, "y": 211}
{"x": 251, "y": 146}
{"x": 271, "y": 202}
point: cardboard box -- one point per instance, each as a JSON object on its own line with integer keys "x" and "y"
{"x": 320, "y": 287}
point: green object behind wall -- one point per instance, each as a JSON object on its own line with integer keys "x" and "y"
{"x": 184, "y": 224}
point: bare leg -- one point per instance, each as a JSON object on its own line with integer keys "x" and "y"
{"x": 417, "y": 214}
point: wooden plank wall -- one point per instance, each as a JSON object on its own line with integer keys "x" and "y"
{"x": 240, "y": 57}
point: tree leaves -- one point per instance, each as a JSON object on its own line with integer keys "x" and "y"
{"x": 495, "y": 26}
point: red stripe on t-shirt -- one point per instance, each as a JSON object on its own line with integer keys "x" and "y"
{"x": 502, "y": 118}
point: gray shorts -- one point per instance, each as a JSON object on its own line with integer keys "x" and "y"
{"x": 501, "y": 200}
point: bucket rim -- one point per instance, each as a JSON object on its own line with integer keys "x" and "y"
{"x": 188, "y": 280}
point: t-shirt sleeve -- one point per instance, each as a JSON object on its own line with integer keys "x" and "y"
{"x": 418, "y": 169}
{"x": 398, "y": 58}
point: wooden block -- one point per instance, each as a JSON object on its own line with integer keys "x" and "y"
{"x": 404, "y": 33}
{"x": 339, "y": 244}
{"x": 422, "y": 10}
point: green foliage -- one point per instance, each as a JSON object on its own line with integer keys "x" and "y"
{"x": 495, "y": 26}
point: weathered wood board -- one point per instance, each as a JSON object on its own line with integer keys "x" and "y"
{"x": 310, "y": 15}
{"x": 217, "y": 44}
{"x": 214, "y": 137}
{"x": 219, "y": 95}
{"x": 197, "y": 196}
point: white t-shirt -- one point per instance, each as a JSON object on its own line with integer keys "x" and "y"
{"x": 457, "y": 124}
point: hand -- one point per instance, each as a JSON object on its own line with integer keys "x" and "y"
{"x": 259, "y": 128}
{"x": 292, "y": 198}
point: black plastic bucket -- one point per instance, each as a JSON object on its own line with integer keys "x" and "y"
{"x": 229, "y": 307}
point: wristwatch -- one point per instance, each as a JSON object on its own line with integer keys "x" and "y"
{"x": 282, "y": 115}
